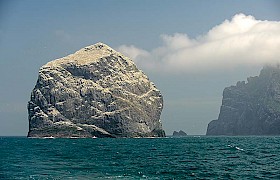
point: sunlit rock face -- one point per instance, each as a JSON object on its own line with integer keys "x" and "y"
{"x": 251, "y": 108}
{"x": 95, "y": 92}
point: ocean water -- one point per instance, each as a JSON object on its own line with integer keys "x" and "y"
{"x": 191, "y": 157}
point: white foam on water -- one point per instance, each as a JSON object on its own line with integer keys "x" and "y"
{"x": 236, "y": 147}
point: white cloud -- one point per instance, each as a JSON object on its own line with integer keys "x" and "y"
{"x": 241, "y": 41}
{"x": 133, "y": 52}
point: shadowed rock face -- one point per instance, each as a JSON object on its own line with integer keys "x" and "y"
{"x": 94, "y": 92}
{"x": 251, "y": 108}
{"x": 180, "y": 133}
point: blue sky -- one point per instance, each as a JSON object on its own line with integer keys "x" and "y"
{"x": 34, "y": 32}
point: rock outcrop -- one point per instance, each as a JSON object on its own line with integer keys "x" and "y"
{"x": 179, "y": 134}
{"x": 250, "y": 108}
{"x": 95, "y": 92}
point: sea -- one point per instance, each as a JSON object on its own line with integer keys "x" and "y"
{"x": 191, "y": 157}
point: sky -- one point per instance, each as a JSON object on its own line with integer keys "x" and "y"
{"x": 190, "y": 49}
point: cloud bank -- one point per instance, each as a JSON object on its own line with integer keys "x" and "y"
{"x": 241, "y": 41}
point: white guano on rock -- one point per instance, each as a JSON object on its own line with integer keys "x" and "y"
{"x": 95, "y": 92}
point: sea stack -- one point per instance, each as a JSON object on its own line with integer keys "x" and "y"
{"x": 179, "y": 134}
{"x": 250, "y": 108}
{"x": 95, "y": 92}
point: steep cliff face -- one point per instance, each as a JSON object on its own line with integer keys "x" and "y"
{"x": 251, "y": 108}
{"x": 94, "y": 92}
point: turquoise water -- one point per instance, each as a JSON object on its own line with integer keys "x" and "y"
{"x": 160, "y": 158}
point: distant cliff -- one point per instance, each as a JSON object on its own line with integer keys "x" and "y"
{"x": 180, "y": 133}
{"x": 251, "y": 108}
{"x": 95, "y": 92}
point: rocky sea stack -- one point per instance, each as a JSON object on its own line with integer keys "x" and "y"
{"x": 250, "y": 108}
{"x": 95, "y": 92}
{"x": 179, "y": 134}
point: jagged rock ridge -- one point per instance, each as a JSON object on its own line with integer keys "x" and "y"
{"x": 180, "y": 133}
{"x": 94, "y": 92}
{"x": 251, "y": 108}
